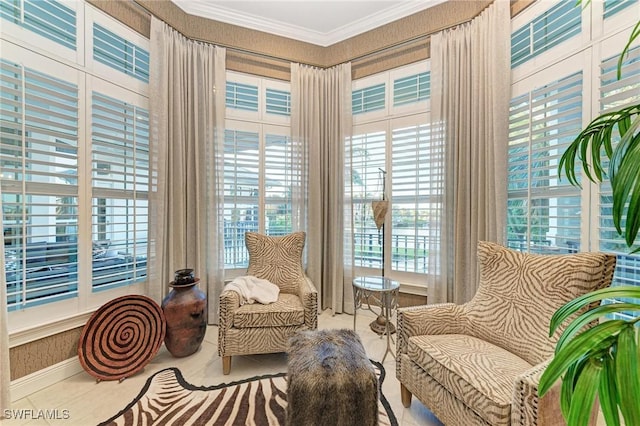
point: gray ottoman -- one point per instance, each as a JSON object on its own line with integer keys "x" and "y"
{"x": 330, "y": 380}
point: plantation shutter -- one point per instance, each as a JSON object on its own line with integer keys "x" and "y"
{"x": 368, "y": 157}
{"x": 120, "y": 54}
{"x": 241, "y": 96}
{"x": 279, "y": 175}
{"x": 559, "y": 23}
{"x": 615, "y": 94}
{"x": 368, "y": 99}
{"x": 414, "y": 161}
{"x": 543, "y": 212}
{"x": 411, "y": 89}
{"x": 611, "y": 7}
{"x": 278, "y": 102}
{"x": 120, "y": 184}
{"x": 39, "y": 163}
{"x": 50, "y": 19}
{"x": 241, "y": 193}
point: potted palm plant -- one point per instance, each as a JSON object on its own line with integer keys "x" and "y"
{"x": 602, "y": 361}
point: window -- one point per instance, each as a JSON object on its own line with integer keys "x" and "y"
{"x": 559, "y": 23}
{"x": 368, "y": 99}
{"x": 414, "y": 161}
{"x": 241, "y": 186}
{"x": 415, "y": 88}
{"x": 39, "y": 162}
{"x": 74, "y": 160}
{"x": 368, "y": 173}
{"x": 280, "y": 174}
{"x": 242, "y": 96}
{"x": 553, "y": 100}
{"x": 259, "y": 166}
{"x": 393, "y": 153}
{"x": 50, "y": 19}
{"x": 278, "y": 102}
{"x": 543, "y": 211}
{"x": 120, "y": 170}
{"x": 405, "y": 172}
{"x": 119, "y": 53}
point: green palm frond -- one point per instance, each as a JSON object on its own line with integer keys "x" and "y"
{"x": 578, "y": 303}
{"x": 603, "y": 360}
{"x": 593, "y": 146}
{"x": 624, "y": 171}
{"x": 635, "y": 33}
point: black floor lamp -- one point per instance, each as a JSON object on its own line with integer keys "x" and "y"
{"x": 380, "y": 208}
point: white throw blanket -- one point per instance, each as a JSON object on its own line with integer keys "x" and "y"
{"x": 253, "y": 289}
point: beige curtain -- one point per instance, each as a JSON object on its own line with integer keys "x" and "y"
{"x": 321, "y": 122}
{"x": 187, "y": 95}
{"x": 5, "y": 372}
{"x": 470, "y": 89}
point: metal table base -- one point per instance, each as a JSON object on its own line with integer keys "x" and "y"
{"x": 380, "y": 291}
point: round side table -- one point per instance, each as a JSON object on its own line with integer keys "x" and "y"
{"x": 384, "y": 292}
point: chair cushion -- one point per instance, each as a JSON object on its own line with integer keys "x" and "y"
{"x": 277, "y": 259}
{"x": 286, "y": 311}
{"x": 476, "y": 372}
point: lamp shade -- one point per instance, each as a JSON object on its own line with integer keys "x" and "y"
{"x": 380, "y": 208}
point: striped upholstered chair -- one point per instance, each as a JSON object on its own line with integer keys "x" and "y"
{"x": 479, "y": 363}
{"x": 247, "y": 329}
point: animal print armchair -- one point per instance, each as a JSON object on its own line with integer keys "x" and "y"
{"x": 480, "y": 363}
{"x": 247, "y": 329}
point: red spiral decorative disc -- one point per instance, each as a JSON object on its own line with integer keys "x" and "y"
{"x": 121, "y": 337}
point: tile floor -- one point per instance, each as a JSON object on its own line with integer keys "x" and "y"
{"x": 89, "y": 403}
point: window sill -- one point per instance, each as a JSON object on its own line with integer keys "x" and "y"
{"x": 31, "y": 334}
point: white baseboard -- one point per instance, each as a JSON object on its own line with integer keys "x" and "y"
{"x": 25, "y": 386}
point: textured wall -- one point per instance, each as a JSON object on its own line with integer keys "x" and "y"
{"x": 398, "y": 43}
{"x": 37, "y": 355}
{"x": 405, "y": 300}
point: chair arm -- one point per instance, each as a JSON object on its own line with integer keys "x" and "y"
{"x": 229, "y": 302}
{"x": 441, "y": 318}
{"x": 528, "y": 409}
{"x": 309, "y": 297}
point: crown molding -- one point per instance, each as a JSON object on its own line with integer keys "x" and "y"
{"x": 230, "y": 16}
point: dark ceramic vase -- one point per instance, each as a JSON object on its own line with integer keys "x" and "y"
{"x": 185, "y": 310}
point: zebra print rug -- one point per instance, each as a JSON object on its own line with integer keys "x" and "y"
{"x": 167, "y": 399}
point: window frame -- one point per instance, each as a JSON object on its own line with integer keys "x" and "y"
{"x": 599, "y": 40}
{"x": 36, "y": 322}
{"x": 262, "y": 123}
{"x": 386, "y": 120}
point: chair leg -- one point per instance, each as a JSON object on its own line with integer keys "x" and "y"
{"x": 405, "y": 396}
{"x": 226, "y": 365}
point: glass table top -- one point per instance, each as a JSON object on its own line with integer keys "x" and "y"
{"x": 376, "y": 283}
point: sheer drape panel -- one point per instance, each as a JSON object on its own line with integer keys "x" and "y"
{"x": 187, "y": 91}
{"x": 5, "y": 371}
{"x": 470, "y": 100}
{"x": 320, "y": 123}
